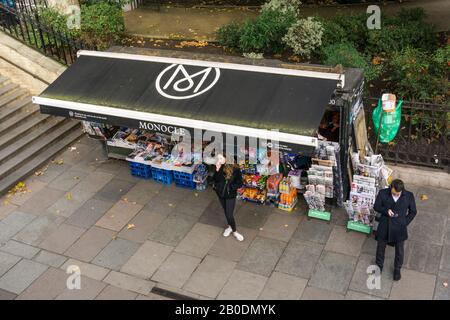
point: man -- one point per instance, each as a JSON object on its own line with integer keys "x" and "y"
{"x": 397, "y": 208}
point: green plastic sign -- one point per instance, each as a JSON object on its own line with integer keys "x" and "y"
{"x": 323, "y": 215}
{"x": 390, "y": 121}
{"x": 359, "y": 227}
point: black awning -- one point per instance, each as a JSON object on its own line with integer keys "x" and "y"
{"x": 140, "y": 91}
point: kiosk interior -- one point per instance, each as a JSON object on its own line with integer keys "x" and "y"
{"x": 137, "y": 104}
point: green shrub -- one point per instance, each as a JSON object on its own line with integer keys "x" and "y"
{"x": 283, "y": 6}
{"x": 229, "y": 35}
{"x": 57, "y": 21}
{"x": 414, "y": 74}
{"x": 353, "y": 26}
{"x": 264, "y": 34}
{"x": 406, "y": 29}
{"x": 347, "y": 55}
{"x": 304, "y": 36}
{"x": 102, "y": 24}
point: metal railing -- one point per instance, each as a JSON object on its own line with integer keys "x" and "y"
{"x": 423, "y": 136}
{"x": 26, "y": 27}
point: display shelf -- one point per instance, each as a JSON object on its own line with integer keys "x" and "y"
{"x": 322, "y": 215}
{"x": 252, "y": 200}
{"x": 288, "y": 208}
{"x": 359, "y": 227}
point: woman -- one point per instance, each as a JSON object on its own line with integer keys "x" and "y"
{"x": 227, "y": 180}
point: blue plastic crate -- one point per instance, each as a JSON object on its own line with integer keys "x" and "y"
{"x": 140, "y": 166}
{"x": 163, "y": 176}
{"x": 185, "y": 183}
{"x": 141, "y": 174}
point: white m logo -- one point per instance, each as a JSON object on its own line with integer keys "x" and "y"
{"x": 186, "y": 87}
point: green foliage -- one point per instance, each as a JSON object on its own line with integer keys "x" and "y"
{"x": 304, "y": 36}
{"x": 57, "y": 21}
{"x": 414, "y": 74}
{"x": 264, "y": 34}
{"x": 347, "y": 55}
{"x": 229, "y": 35}
{"x": 283, "y": 6}
{"x": 101, "y": 24}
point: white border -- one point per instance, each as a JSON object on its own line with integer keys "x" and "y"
{"x": 221, "y": 65}
{"x": 181, "y": 122}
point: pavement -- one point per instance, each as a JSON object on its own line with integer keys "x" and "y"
{"x": 129, "y": 236}
{"x": 201, "y": 23}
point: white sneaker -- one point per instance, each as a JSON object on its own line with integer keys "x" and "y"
{"x": 227, "y": 231}
{"x": 238, "y": 236}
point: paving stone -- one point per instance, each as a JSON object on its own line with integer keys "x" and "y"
{"x": 313, "y": 230}
{"x": 90, "y": 244}
{"x": 116, "y": 254}
{"x": 428, "y": 227}
{"x": 300, "y": 258}
{"x": 145, "y": 222}
{"x": 353, "y": 295}
{"x": 50, "y": 259}
{"x": 423, "y": 257}
{"x": 111, "y": 166}
{"x": 13, "y": 223}
{"x": 262, "y": 256}
{"x": 147, "y": 259}
{"x": 41, "y": 201}
{"x": 441, "y": 292}
{"x": 140, "y": 193}
{"x": 114, "y": 190}
{"x": 445, "y": 259}
{"x": 344, "y": 242}
{"x": 124, "y": 174}
{"x": 39, "y": 229}
{"x": 437, "y": 200}
{"x": 182, "y": 292}
{"x": 151, "y": 296}
{"x": 229, "y": 248}
{"x": 252, "y": 216}
{"x": 281, "y": 286}
{"x": 155, "y": 206}
{"x": 173, "y": 229}
{"x": 7, "y": 261}
{"x": 176, "y": 270}
{"x": 32, "y": 186}
{"x": 47, "y": 287}
{"x": 312, "y": 293}
{"x": 19, "y": 249}
{"x": 23, "y": 274}
{"x": 280, "y": 227}
{"x": 360, "y": 277}
{"x": 242, "y": 286}
{"x": 51, "y": 171}
{"x": 118, "y": 216}
{"x": 62, "y": 238}
{"x": 210, "y": 276}
{"x": 6, "y": 208}
{"x": 447, "y": 233}
{"x": 413, "y": 286}
{"x": 64, "y": 207}
{"x": 199, "y": 240}
{"x": 87, "y": 269}
{"x": 5, "y": 295}
{"x": 214, "y": 215}
{"x": 339, "y": 217}
{"x": 74, "y": 156}
{"x": 114, "y": 293}
{"x": 67, "y": 180}
{"x": 333, "y": 272}
{"x": 94, "y": 182}
{"x": 90, "y": 289}
{"x": 89, "y": 213}
{"x": 128, "y": 282}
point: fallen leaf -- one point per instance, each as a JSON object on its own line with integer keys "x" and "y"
{"x": 286, "y": 225}
{"x": 445, "y": 284}
{"x": 112, "y": 216}
{"x": 114, "y": 237}
{"x": 170, "y": 205}
{"x": 73, "y": 148}
{"x": 60, "y": 162}
{"x": 125, "y": 199}
{"x": 69, "y": 196}
{"x": 261, "y": 229}
{"x": 424, "y": 197}
{"x": 131, "y": 226}
{"x": 134, "y": 202}
{"x": 196, "y": 194}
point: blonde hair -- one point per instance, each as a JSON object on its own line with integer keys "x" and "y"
{"x": 228, "y": 169}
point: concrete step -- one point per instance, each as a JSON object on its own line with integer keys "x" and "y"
{"x": 16, "y": 103}
{"x": 39, "y": 145}
{"x": 39, "y": 159}
{"x": 9, "y": 97}
{"x": 24, "y": 114}
{"x": 9, "y": 87}
{"x": 32, "y": 136}
{"x": 3, "y": 80}
{"x": 22, "y": 129}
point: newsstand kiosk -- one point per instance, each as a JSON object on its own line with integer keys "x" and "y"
{"x": 135, "y": 101}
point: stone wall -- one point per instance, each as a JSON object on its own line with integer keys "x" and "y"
{"x": 421, "y": 176}
{"x": 62, "y": 5}
{"x": 26, "y": 66}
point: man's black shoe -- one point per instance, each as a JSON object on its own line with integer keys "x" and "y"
{"x": 397, "y": 275}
